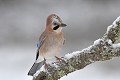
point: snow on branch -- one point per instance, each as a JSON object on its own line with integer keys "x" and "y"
{"x": 103, "y": 49}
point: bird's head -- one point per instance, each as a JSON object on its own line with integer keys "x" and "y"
{"x": 54, "y": 23}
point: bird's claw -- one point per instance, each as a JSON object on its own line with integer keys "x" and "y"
{"x": 46, "y": 65}
{"x": 60, "y": 59}
{"x": 57, "y": 58}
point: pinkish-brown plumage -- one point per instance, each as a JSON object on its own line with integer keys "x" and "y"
{"x": 50, "y": 42}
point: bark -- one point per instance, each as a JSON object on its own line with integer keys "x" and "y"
{"x": 103, "y": 49}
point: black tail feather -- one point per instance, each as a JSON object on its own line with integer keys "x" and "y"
{"x": 35, "y": 67}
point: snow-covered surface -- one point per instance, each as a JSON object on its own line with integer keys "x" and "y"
{"x": 22, "y": 20}
{"x": 70, "y": 55}
{"x": 96, "y": 42}
{"x": 15, "y": 64}
{"x": 113, "y": 24}
{"x": 108, "y": 28}
{"x": 76, "y": 53}
{"x": 116, "y": 45}
{"x": 53, "y": 64}
{"x": 93, "y": 72}
{"x": 41, "y": 69}
{"x": 86, "y": 50}
{"x": 109, "y": 41}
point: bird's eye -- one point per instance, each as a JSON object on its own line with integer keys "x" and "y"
{"x": 55, "y": 23}
{"x": 55, "y": 16}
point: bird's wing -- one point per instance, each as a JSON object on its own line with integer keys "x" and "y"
{"x": 64, "y": 42}
{"x": 39, "y": 44}
{"x": 37, "y": 66}
{"x": 41, "y": 40}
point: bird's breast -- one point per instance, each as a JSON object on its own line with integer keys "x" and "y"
{"x": 52, "y": 45}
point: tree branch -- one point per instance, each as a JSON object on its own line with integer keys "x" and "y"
{"x": 102, "y": 49}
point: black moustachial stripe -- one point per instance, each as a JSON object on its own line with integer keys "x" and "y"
{"x": 56, "y": 27}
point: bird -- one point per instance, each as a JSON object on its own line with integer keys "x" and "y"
{"x": 50, "y": 43}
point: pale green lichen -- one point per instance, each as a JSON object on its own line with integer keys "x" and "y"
{"x": 101, "y": 52}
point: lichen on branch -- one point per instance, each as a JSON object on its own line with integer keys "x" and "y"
{"x": 103, "y": 49}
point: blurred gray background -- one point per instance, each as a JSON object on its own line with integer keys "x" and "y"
{"x": 22, "y": 21}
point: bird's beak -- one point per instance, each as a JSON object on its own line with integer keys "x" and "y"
{"x": 63, "y": 25}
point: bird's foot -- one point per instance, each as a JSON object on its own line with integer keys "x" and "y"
{"x": 46, "y": 65}
{"x": 60, "y": 59}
